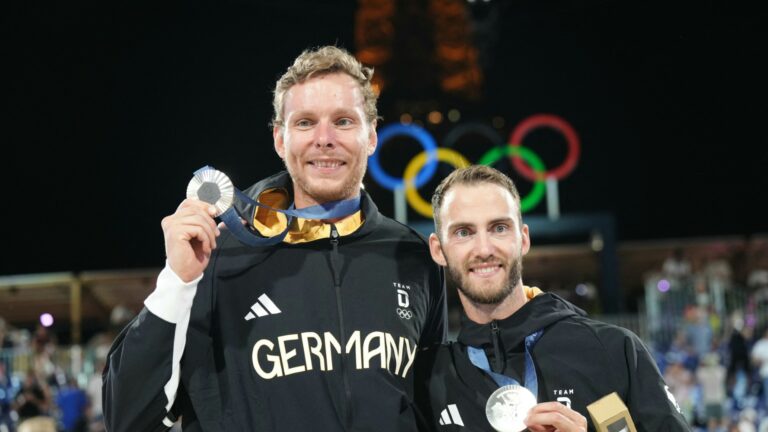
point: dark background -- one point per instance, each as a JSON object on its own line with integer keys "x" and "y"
{"x": 112, "y": 105}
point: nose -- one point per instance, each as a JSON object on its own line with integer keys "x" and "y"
{"x": 483, "y": 244}
{"x": 325, "y": 136}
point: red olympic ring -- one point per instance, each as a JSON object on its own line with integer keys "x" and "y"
{"x": 554, "y": 122}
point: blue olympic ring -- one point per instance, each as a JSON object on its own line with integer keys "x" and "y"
{"x": 423, "y": 137}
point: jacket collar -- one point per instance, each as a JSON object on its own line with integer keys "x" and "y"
{"x": 538, "y": 313}
{"x": 282, "y": 180}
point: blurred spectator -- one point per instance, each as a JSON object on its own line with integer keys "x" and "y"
{"x": 38, "y": 424}
{"x": 93, "y": 390}
{"x": 681, "y": 350}
{"x": 680, "y": 382}
{"x": 718, "y": 268}
{"x": 711, "y": 376}
{"x": 719, "y": 280}
{"x": 739, "y": 364}
{"x": 701, "y": 291}
{"x": 5, "y": 341}
{"x": 676, "y": 268}
{"x": 6, "y": 399}
{"x": 698, "y": 330}
{"x": 747, "y": 420}
{"x": 72, "y": 402}
{"x": 758, "y": 279}
{"x": 33, "y": 399}
{"x": 120, "y": 317}
{"x": 763, "y": 425}
{"x": 760, "y": 359}
{"x": 758, "y": 284}
{"x": 43, "y": 346}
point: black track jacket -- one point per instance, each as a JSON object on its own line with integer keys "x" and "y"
{"x": 316, "y": 336}
{"x": 578, "y": 361}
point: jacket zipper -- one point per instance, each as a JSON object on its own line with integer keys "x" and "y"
{"x": 342, "y": 333}
{"x": 498, "y": 359}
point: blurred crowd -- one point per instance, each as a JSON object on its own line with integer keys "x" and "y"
{"x": 45, "y": 387}
{"x": 709, "y": 331}
{"x": 706, "y": 324}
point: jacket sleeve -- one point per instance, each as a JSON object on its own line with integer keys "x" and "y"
{"x": 650, "y": 403}
{"x": 427, "y": 392}
{"x": 141, "y": 377}
{"x": 436, "y": 328}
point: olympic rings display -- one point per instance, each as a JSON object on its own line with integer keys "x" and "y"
{"x": 424, "y": 165}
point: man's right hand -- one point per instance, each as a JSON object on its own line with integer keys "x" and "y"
{"x": 554, "y": 416}
{"x": 190, "y": 237}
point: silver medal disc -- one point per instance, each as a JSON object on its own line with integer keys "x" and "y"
{"x": 213, "y": 187}
{"x": 508, "y": 406}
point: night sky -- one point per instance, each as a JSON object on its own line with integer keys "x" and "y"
{"x": 111, "y": 106}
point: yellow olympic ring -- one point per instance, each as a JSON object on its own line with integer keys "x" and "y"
{"x": 411, "y": 193}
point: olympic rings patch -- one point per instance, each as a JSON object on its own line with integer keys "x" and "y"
{"x": 404, "y": 313}
{"x": 423, "y": 166}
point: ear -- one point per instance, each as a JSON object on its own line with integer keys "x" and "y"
{"x": 373, "y": 138}
{"x": 277, "y": 138}
{"x": 436, "y": 251}
{"x": 526, "y": 239}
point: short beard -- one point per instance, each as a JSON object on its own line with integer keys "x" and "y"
{"x": 454, "y": 279}
{"x": 350, "y": 188}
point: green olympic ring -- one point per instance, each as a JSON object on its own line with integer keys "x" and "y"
{"x": 535, "y": 195}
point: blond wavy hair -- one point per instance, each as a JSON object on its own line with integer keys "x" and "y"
{"x": 321, "y": 61}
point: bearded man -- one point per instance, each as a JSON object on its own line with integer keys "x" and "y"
{"x": 524, "y": 358}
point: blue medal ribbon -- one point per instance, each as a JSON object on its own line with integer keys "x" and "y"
{"x": 330, "y": 210}
{"x": 479, "y": 359}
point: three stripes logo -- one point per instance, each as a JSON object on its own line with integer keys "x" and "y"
{"x": 450, "y": 416}
{"x": 263, "y": 307}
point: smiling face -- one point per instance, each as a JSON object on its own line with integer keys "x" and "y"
{"x": 481, "y": 243}
{"x": 325, "y": 139}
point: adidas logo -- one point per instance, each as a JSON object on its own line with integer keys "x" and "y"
{"x": 451, "y": 415}
{"x": 263, "y": 307}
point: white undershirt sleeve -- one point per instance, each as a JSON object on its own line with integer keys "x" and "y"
{"x": 172, "y": 298}
{"x": 172, "y": 301}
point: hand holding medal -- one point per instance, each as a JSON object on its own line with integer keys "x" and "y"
{"x": 190, "y": 237}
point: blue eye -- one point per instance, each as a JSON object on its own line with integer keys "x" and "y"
{"x": 500, "y": 228}
{"x": 462, "y": 232}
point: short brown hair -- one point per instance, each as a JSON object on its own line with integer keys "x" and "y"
{"x": 320, "y": 61}
{"x": 472, "y": 175}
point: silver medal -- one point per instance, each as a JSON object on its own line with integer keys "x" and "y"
{"x": 508, "y": 406}
{"x": 213, "y": 187}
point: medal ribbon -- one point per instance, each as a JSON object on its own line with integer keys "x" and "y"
{"x": 330, "y": 210}
{"x": 479, "y": 359}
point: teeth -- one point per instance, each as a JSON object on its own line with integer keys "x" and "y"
{"x": 327, "y": 164}
{"x": 485, "y": 270}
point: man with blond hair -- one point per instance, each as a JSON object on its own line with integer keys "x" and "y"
{"x": 316, "y": 332}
